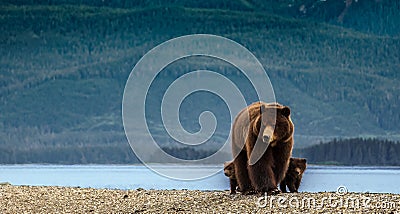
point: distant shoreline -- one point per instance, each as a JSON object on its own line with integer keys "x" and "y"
{"x": 51, "y": 199}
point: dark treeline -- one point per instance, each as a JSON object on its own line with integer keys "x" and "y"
{"x": 355, "y": 151}
{"x": 187, "y": 153}
{"x": 98, "y": 154}
{"x": 93, "y": 154}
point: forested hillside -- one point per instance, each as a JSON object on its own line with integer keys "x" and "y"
{"x": 64, "y": 65}
{"x": 356, "y": 151}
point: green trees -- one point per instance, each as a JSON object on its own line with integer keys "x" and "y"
{"x": 92, "y": 154}
{"x": 355, "y": 151}
{"x": 64, "y": 64}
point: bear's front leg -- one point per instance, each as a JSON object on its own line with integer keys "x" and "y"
{"x": 282, "y": 186}
{"x": 262, "y": 176}
{"x": 281, "y": 158}
{"x": 296, "y": 185}
{"x": 292, "y": 187}
{"x": 242, "y": 176}
{"x": 233, "y": 183}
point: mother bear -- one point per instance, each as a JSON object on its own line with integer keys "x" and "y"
{"x": 262, "y": 141}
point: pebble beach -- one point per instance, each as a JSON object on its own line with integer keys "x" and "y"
{"x": 52, "y": 199}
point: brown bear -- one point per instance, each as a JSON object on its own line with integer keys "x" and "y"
{"x": 262, "y": 142}
{"x": 229, "y": 171}
{"x": 294, "y": 174}
{"x": 292, "y": 179}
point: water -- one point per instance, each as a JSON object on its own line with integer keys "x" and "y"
{"x": 315, "y": 179}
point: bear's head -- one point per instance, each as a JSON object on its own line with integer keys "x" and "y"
{"x": 294, "y": 174}
{"x": 229, "y": 169}
{"x": 297, "y": 166}
{"x": 276, "y": 125}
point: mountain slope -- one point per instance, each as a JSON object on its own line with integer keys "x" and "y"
{"x": 64, "y": 66}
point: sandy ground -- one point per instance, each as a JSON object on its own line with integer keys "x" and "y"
{"x": 35, "y": 199}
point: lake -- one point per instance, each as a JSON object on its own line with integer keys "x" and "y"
{"x": 315, "y": 179}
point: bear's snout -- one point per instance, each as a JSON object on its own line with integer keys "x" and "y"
{"x": 266, "y": 138}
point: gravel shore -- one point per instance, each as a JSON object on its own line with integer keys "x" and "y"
{"x": 43, "y": 199}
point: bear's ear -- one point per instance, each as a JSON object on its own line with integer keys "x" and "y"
{"x": 226, "y": 164}
{"x": 303, "y": 160}
{"x": 285, "y": 111}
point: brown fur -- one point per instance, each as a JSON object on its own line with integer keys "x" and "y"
{"x": 292, "y": 179}
{"x": 294, "y": 174}
{"x": 253, "y": 124}
{"x": 229, "y": 171}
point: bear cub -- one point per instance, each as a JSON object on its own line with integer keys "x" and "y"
{"x": 294, "y": 174}
{"x": 229, "y": 171}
